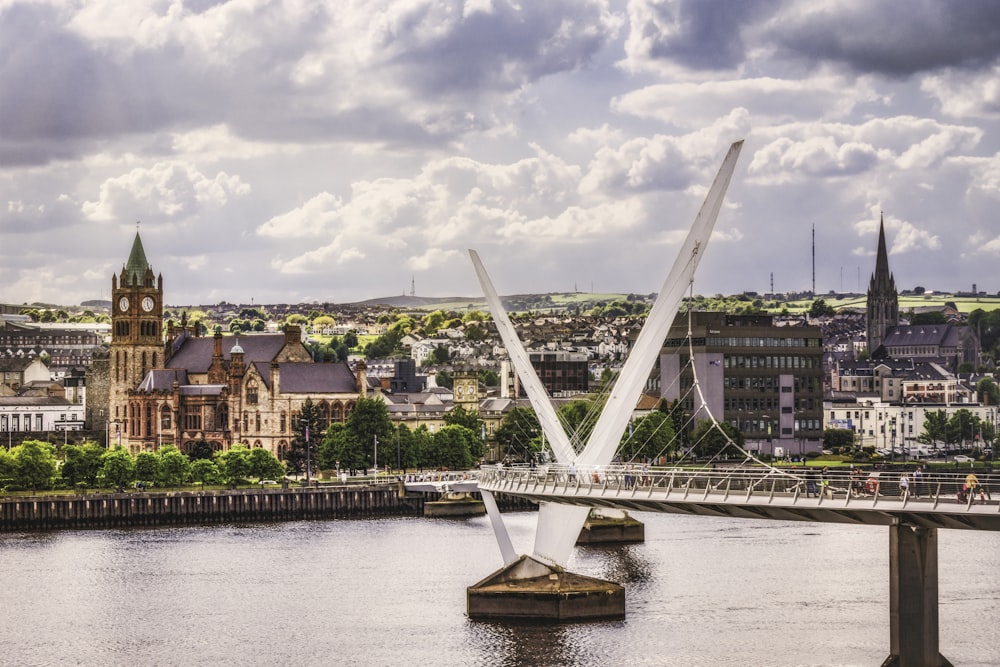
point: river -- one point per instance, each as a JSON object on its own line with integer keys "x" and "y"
{"x": 699, "y": 591}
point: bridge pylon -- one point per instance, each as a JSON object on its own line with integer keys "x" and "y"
{"x": 559, "y": 526}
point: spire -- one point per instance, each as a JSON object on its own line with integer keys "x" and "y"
{"x": 137, "y": 265}
{"x": 882, "y": 274}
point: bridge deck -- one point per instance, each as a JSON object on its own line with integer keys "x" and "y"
{"x": 760, "y": 493}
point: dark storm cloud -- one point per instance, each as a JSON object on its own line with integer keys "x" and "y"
{"x": 894, "y": 37}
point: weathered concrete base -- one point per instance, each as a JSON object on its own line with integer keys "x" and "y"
{"x": 608, "y": 526}
{"x": 530, "y": 589}
{"x": 913, "y": 598}
{"x": 454, "y": 505}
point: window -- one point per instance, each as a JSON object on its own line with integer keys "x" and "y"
{"x": 252, "y": 392}
{"x": 192, "y": 419}
{"x": 165, "y": 418}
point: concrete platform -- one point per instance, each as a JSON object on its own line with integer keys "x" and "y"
{"x": 530, "y": 589}
{"x": 607, "y": 526}
{"x": 454, "y": 505}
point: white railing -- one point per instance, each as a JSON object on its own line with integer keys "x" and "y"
{"x": 752, "y": 485}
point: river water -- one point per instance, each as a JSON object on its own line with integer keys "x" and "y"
{"x": 699, "y": 591}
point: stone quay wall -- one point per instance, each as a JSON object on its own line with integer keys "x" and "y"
{"x": 142, "y": 509}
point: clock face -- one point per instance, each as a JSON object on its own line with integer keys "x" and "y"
{"x": 147, "y": 303}
{"x": 123, "y": 304}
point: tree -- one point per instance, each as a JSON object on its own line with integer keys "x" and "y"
{"x": 988, "y": 392}
{"x": 454, "y": 447}
{"x": 518, "y": 433}
{"x": 147, "y": 467}
{"x": 306, "y": 428}
{"x": 341, "y": 449}
{"x": 117, "y": 468}
{"x": 488, "y": 377}
{"x": 444, "y": 379}
{"x": 710, "y": 441}
{"x": 578, "y": 418}
{"x": 820, "y": 308}
{"x": 440, "y": 355}
{"x": 350, "y": 339}
{"x": 174, "y": 466}
{"x": 935, "y": 427}
{"x": 201, "y": 449}
{"x": 234, "y": 465}
{"x": 34, "y": 464}
{"x": 81, "y": 463}
{"x": 932, "y": 317}
{"x": 838, "y": 437}
{"x": 263, "y": 465}
{"x": 459, "y": 416}
{"x": 368, "y": 421}
{"x": 204, "y": 471}
{"x": 423, "y": 446}
{"x": 651, "y": 436}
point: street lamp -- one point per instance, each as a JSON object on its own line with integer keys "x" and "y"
{"x": 376, "y": 457}
{"x": 308, "y": 456}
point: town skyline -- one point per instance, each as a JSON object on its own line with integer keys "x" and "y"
{"x": 327, "y": 153}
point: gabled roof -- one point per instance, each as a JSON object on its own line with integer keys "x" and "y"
{"x": 137, "y": 265}
{"x": 195, "y": 354}
{"x": 300, "y": 377}
{"x": 920, "y": 334}
{"x": 162, "y": 379}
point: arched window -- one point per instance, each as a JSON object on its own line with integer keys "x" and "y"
{"x": 284, "y": 422}
{"x": 324, "y": 415}
{"x": 149, "y": 420}
{"x": 165, "y": 418}
{"x": 337, "y": 413}
{"x": 223, "y": 417}
{"x": 257, "y": 422}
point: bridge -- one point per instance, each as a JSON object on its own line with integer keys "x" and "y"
{"x": 756, "y": 493}
{"x": 913, "y": 513}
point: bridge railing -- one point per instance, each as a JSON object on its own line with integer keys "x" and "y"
{"x": 805, "y": 483}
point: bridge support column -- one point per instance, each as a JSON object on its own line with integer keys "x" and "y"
{"x": 609, "y": 526}
{"x": 913, "y": 598}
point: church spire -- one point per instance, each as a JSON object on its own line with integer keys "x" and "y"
{"x": 882, "y": 306}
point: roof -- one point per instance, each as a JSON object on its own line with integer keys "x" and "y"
{"x": 202, "y": 389}
{"x": 300, "y": 377}
{"x": 137, "y": 265}
{"x": 195, "y": 354}
{"x": 921, "y": 334}
{"x": 37, "y": 401}
{"x": 162, "y": 379}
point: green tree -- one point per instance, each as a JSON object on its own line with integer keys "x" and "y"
{"x": 489, "y": 378}
{"x": 234, "y": 465}
{"x": 454, "y": 447}
{"x": 81, "y": 463}
{"x": 518, "y": 434}
{"x": 820, "y": 308}
{"x": 263, "y": 465}
{"x": 648, "y": 438}
{"x": 444, "y": 379}
{"x": 440, "y": 355}
{"x": 462, "y": 417}
{"x": 340, "y": 448}
{"x": 578, "y": 418}
{"x": 933, "y": 317}
{"x": 147, "y": 467}
{"x": 370, "y": 420}
{"x": 710, "y": 441}
{"x": 935, "y": 427}
{"x": 174, "y": 466}
{"x": 423, "y": 447}
{"x": 838, "y": 437}
{"x": 204, "y": 471}
{"x": 988, "y": 392}
{"x": 34, "y": 464}
{"x": 350, "y": 339}
{"x": 306, "y": 428}
{"x": 201, "y": 449}
{"x": 117, "y": 468}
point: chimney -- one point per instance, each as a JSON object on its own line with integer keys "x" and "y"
{"x": 362, "y": 376}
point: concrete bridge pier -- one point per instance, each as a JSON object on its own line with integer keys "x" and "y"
{"x": 913, "y": 598}
{"x": 611, "y": 526}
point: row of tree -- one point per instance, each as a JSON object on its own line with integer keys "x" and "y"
{"x": 37, "y": 465}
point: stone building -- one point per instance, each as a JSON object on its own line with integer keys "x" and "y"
{"x": 183, "y": 388}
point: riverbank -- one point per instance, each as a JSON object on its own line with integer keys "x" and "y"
{"x": 171, "y": 508}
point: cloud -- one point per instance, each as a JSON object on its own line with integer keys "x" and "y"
{"x": 166, "y": 191}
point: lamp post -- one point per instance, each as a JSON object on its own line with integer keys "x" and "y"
{"x": 308, "y": 455}
{"x": 375, "y": 460}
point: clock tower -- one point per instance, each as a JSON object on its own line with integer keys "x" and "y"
{"x": 136, "y": 339}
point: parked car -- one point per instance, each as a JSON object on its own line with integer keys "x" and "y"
{"x": 962, "y": 458}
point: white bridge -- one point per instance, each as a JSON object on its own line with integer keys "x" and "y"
{"x": 936, "y": 501}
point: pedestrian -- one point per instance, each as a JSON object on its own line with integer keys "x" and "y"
{"x": 811, "y": 482}
{"x": 824, "y": 483}
{"x": 904, "y": 485}
{"x": 918, "y": 479}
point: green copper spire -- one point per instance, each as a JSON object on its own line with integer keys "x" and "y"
{"x": 136, "y": 266}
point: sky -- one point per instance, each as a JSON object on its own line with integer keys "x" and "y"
{"x": 284, "y": 151}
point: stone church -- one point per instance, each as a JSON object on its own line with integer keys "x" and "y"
{"x": 181, "y": 388}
